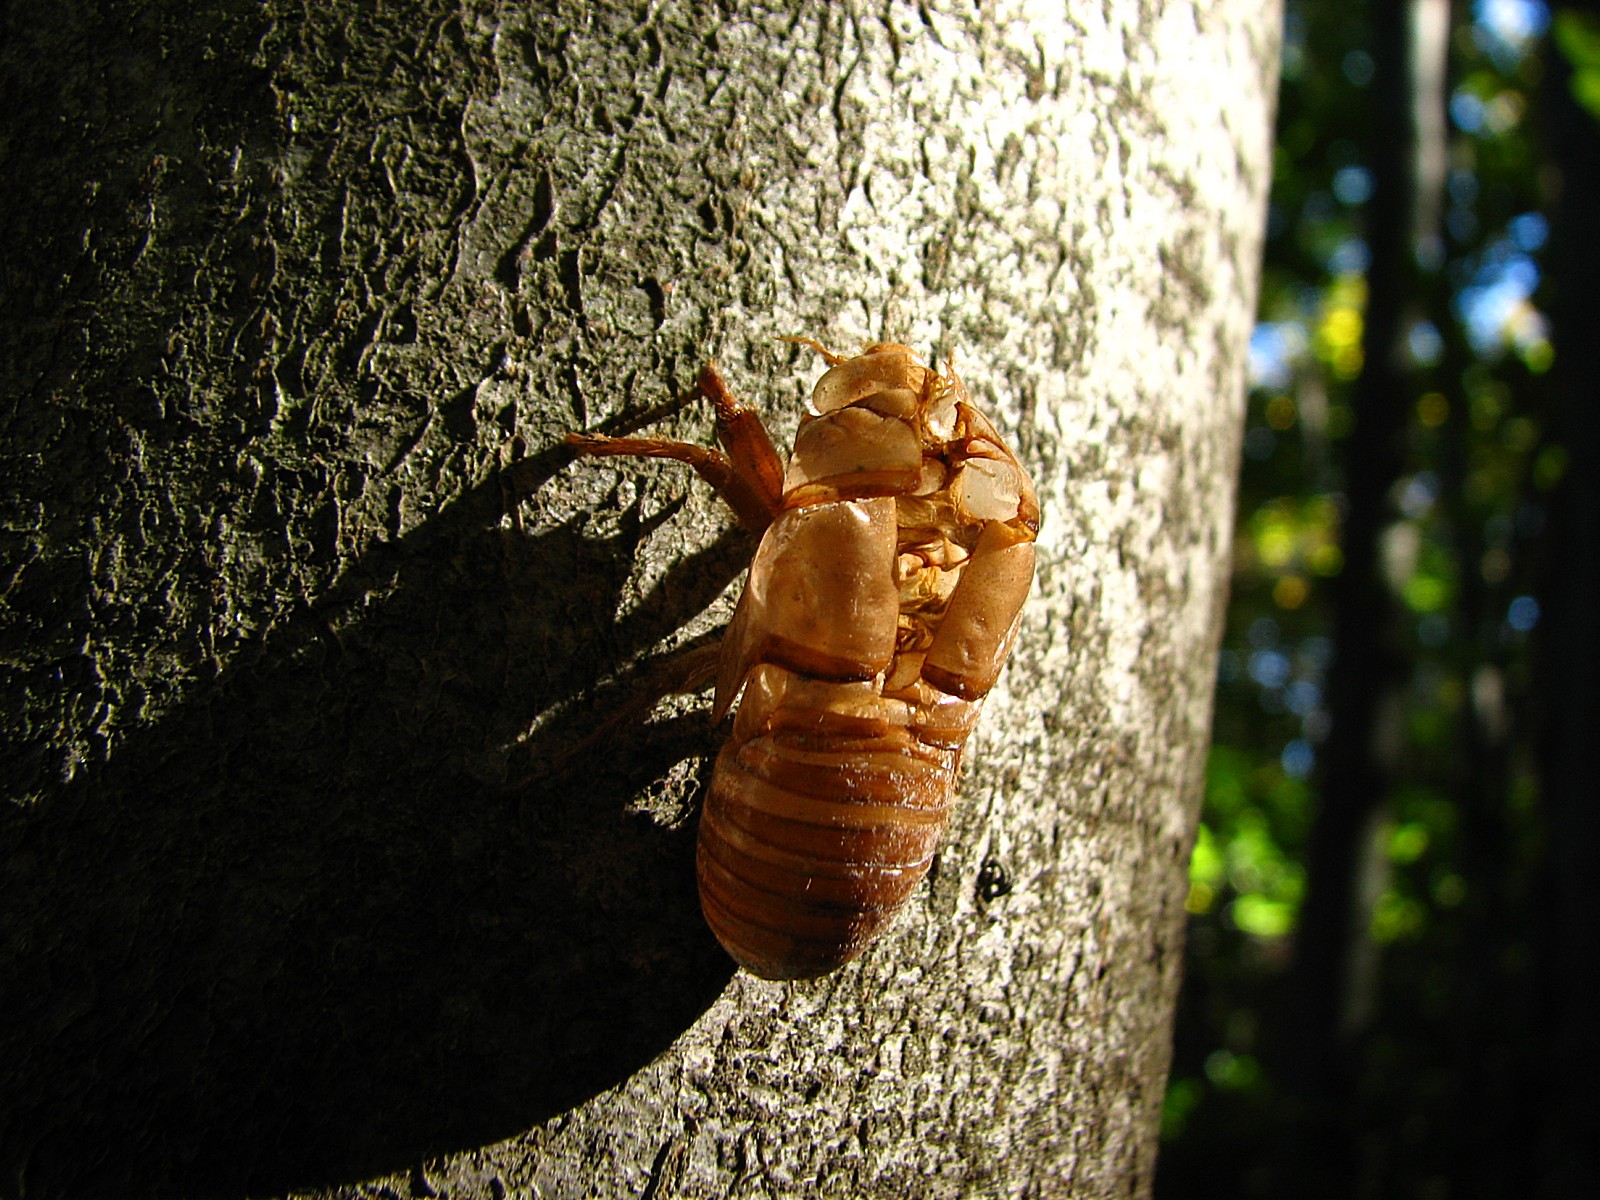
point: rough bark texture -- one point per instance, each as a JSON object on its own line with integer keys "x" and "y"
{"x": 310, "y": 875}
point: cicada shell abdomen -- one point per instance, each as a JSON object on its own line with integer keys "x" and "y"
{"x": 879, "y": 609}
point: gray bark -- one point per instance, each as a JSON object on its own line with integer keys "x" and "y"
{"x": 315, "y": 871}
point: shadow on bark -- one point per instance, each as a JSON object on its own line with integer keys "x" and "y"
{"x": 301, "y": 931}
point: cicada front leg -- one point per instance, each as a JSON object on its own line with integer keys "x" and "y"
{"x": 746, "y": 472}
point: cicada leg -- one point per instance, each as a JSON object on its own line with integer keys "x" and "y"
{"x": 747, "y": 473}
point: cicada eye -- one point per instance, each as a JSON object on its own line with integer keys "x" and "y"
{"x": 990, "y": 490}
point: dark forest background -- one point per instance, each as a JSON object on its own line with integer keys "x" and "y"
{"x": 1394, "y": 919}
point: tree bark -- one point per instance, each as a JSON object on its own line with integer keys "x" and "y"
{"x": 321, "y": 861}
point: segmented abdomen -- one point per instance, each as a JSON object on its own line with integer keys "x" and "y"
{"x": 811, "y": 841}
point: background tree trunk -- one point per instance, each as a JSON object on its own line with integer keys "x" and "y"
{"x": 1554, "y": 1084}
{"x": 309, "y": 875}
{"x": 1332, "y": 986}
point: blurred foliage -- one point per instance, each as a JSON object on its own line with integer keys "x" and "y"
{"x": 1577, "y": 35}
{"x": 1458, "y": 558}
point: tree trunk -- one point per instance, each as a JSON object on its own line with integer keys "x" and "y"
{"x": 321, "y": 862}
{"x": 1332, "y": 979}
{"x": 1564, "y": 1143}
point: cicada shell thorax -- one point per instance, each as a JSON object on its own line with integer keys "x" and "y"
{"x": 878, "y": 612}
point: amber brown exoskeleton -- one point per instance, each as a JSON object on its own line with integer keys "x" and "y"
{"x": 895, "y": 557}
